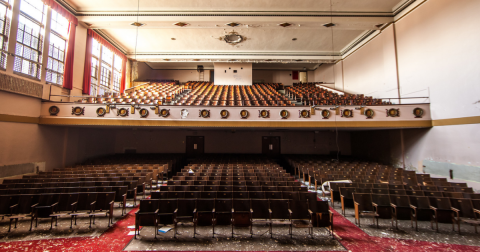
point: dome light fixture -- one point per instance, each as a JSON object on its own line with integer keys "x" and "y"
{"x": 137, "y": 24}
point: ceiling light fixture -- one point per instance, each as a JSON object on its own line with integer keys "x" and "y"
{"x": 329, "y": 25}
{"x": 285, "y": 24}
{"x": 379, "y": 25}
{"x": 137, "y": 24}
{"x": 233, "y": 24}
{"x": 294, "y": 39}
{"x": 181, "y": 24}
{"x": 173, "y": 39}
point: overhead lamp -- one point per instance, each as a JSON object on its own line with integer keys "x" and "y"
{"x": 329, "y": 25}
{"x": 137, "y": 24}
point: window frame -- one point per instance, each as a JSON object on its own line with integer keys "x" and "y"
{"x": 40, "y": 44}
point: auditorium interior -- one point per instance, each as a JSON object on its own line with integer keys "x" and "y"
{"x": 253, "y": 125}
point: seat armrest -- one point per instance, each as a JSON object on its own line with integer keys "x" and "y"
{"x": 356, "y": 203}
{"x": 194, "y": 211}
{"x": 374, "y": 204}
{"x": 156, "y": 211}
{"x": 270, "y": 211}
{"x": 213, "y": 210}
{"x": 233, "y": 210}
{"x": 393, "y": 205}
{"x": 412, "y": 206}
{"x": 455, "y": 210}
{"x": 290, "y": 211}
{"x": 251, "y": 210}
{"x": 54, "y": 204}
{"x": 433, "y": 208}
{"x": 34, "y": 205}
{"x": 476, "y": 211}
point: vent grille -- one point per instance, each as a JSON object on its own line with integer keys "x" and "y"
{"x": 20, "y": 86}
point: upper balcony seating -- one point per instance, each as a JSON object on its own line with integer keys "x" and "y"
{"x": 310, "y": 94}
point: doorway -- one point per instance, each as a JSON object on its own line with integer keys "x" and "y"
{"x": 271, "y": 146}
{"x": 303, "y": 77}
{"x": 195, "y": 146}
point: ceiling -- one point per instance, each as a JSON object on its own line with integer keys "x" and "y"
{"x": 258, "y": 22}
{"x": 209, "y": 66}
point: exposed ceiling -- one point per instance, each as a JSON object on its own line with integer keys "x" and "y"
{"x": 258, "y": 22}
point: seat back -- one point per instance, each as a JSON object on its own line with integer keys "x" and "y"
{"x": 400, "y": 200}
{"x": 167, "y": 206}
{"x": 186, "y": 207}
{"x": 279, "y": 208}
{"x": 223, "y": 205}
{"x": 421, "y": 202}
{"x": 300, "y": 209}
{"x": 364, "y": 200}
{"x": 241, "y": 205}
{"x": 205, "y": 205}
{"x": 381, "y": 199}
{"x": 465, "y": 206}
{"x": 149, "y": 205}
{"x": 441, "y": 203}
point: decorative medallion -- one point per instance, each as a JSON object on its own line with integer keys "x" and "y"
{"x": 53, "y": 110}
{"x": 284, "y": 114}
{"x": 233, "y": 24}
{"x": 347, "y": 113}
{"x": 233, "y": 38}
{"x": 78, "y": 111}
{"x": 164, "y": 112}
{"x": 122, "y": 112}
{"x": 418, "y": 112}
{"x": 244, "y": 114}
{"x": 393, "y": 112}
{"x": 325, "y": 114}
{"x": 285, "y": 24}
{"x": 224, "y": 114}
{"x": 181, "y": 24}
{"x": 143, "y": 113}
{"x": 369, "y": 113}
{"x": 264, "y": 113}
{"x": 204, "y": 113}
{"x": 184, "y": 113}
{"x": 101, "y": 111}
{"x": 304, "y": 113}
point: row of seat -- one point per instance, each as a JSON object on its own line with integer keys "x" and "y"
{"x": 208, "y": 94}
{"x": 297, "y": 195}
{"x": 55, "y": 205}
{"x": 414, "y": 207}
{"x": 234, "y": 212}
{"x": 311, "y": 94}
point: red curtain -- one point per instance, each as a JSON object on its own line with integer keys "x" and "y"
{"x": 294, "y": 75}
{"x": 124, "y": 75}
{"x": 87, "y": 69}
{"x": 88, "y": 60}
{"x": 58, "y": 8}
{"x": 68, "y": 72}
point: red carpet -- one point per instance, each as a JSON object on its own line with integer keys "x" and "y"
{"x": 115, "y": 239}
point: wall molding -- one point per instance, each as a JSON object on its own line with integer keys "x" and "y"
{"x": 19, "y": 119}
{"x": 456, "y": 121}
{"x": 235, "y": 124}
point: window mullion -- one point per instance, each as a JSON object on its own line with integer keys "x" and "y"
{"x": 12, "y": 42}
{"x": 46, "y": 45}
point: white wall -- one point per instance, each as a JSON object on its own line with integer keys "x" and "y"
{"x": 147, "y": 73}
{"x": 326, "y": 72}
{"x": 438, "y": 56}
{"x": 372, "y": 69}
{"x": 225, "y": 75}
